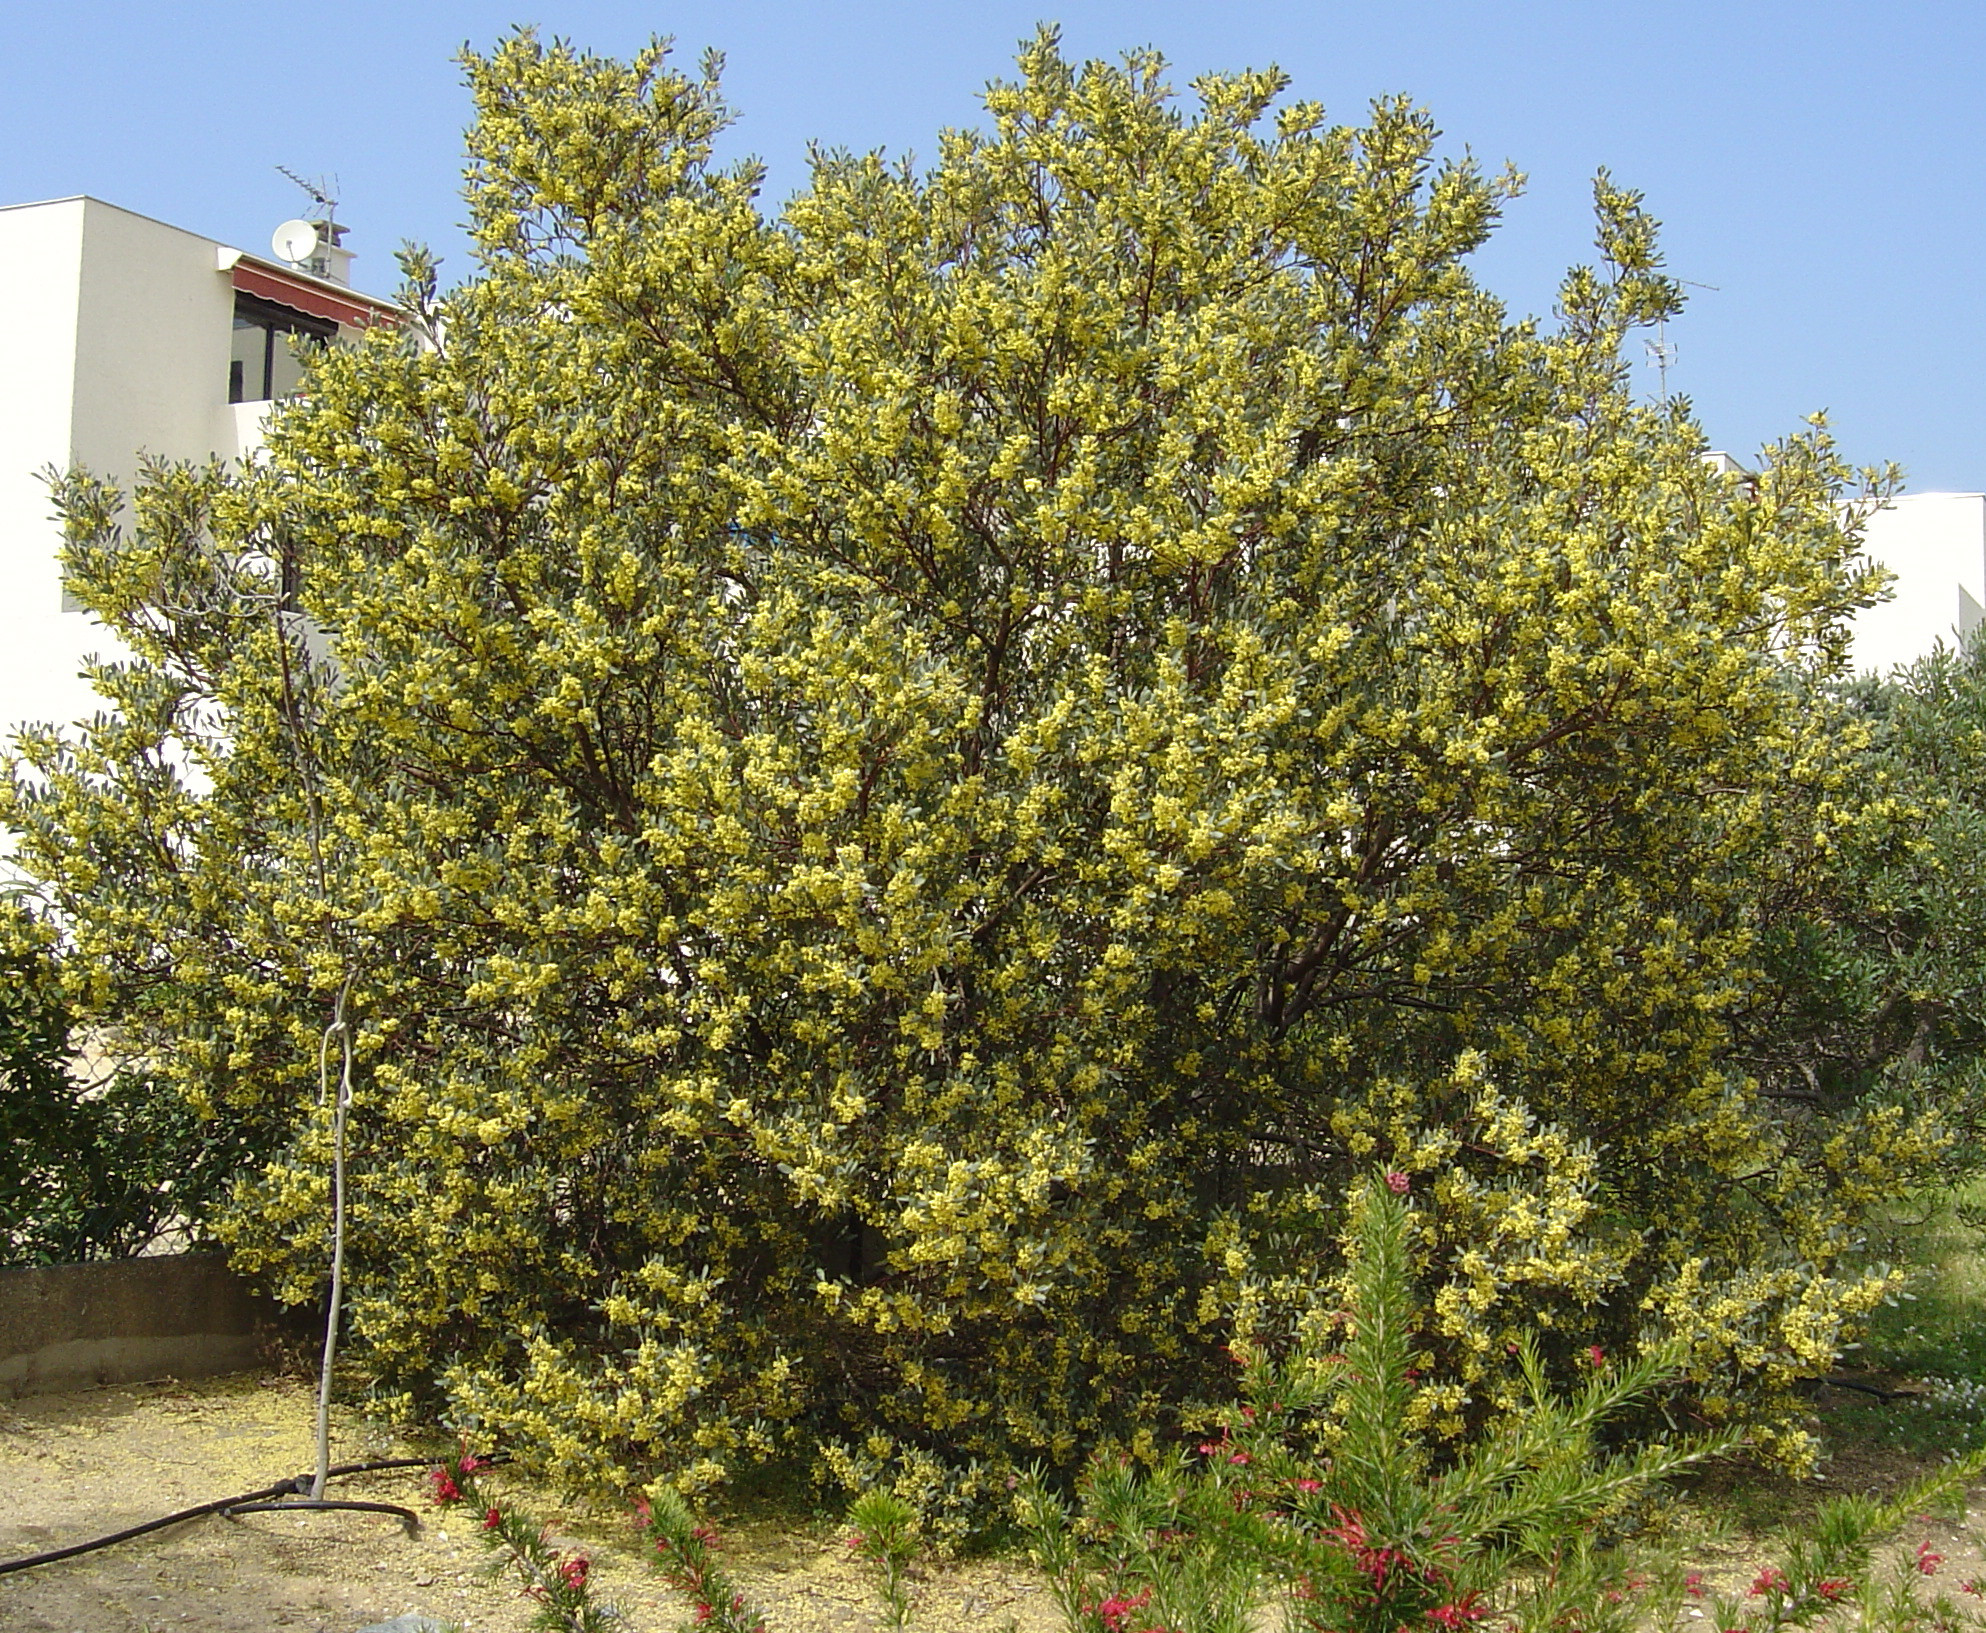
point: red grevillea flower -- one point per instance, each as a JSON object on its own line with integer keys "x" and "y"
{"x": 1116, "y": 1610}
{"x": 1693, "y": 1584}
{"x": 445, "y": 1489}
{"x": 1461, "y": 1613}
{"x": 1349, "y": 1533}
{"x": 492, "y": 1519}
{"x": 1769, "y": 1580}
{"x": 1928, "y": 1562}
{"x": 1596, "y": 1355}
{"x": 574, "y": 1571}
{"x": 1398, "y": 1183}
{"x": 1833, "y": 1588}
{"x": 1310, "y": 1485}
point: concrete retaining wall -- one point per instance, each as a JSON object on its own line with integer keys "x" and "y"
{"x": 71, "y": 1326}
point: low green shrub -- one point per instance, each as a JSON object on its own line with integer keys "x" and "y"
{"x": 684, "y": 1553}
{"x": 558, "y": 1581}
{"x": 1828, "y": 1575}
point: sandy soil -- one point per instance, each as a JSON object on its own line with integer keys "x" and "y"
{"x": 76, "y": 1466}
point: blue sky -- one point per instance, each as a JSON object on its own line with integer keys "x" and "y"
{"x": 1821, "y": 164}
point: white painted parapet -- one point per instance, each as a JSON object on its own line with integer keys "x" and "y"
{"x": 1935, "y": 545}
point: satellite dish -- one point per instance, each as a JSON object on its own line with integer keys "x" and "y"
{"x": 295, "y": 241}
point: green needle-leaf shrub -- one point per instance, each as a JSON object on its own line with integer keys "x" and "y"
{"x": 684, "y": 1553}
{"x": 558, "y": 1581}
{"x": 883, "y": 1536}
{"x": 1319, "y": 1495}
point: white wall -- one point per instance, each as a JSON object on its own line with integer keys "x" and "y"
{"x": 156, "y": 318}
{"x": 1935, "y": 544}
{"x": 114, "y": 334}
{"x": 41, "y": 270}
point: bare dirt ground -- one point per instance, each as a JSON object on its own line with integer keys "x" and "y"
{"x": 77, "y": 1466}
{"x": 74, "y": 1467}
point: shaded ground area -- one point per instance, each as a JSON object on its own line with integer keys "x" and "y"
{"x": 77, "y": 1466}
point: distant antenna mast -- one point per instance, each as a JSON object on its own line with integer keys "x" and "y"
{"x": 316, "y": 244}
{"x": 323, "y": 189}
{"x": 1661, "y": 353}
{"x": 1662, "y": 350}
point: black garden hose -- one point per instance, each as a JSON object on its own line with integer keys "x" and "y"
{"x": 407, "y": 1517}
{"x": 249, "y": 1502}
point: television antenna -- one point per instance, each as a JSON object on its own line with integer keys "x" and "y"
{"x": 322, "y": 189}
{"x": 1662, "y": 351}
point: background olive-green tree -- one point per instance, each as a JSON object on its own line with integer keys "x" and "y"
{"x": 1877, "y": 943}
{"x": 100, "y": 1158}
{"x": 908, "y": 790}
{"x": 1926, "y": 923}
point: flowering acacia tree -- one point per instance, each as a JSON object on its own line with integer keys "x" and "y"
{"x": 907, "y": 791}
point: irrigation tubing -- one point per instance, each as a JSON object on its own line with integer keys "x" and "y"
{"x": 406, "y": 1516}
{"x": 262, "y": 1500}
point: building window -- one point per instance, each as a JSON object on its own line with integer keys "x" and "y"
{"x": 263, "y": 364}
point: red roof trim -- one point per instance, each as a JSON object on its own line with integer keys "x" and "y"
{"x": 308, "y": 295}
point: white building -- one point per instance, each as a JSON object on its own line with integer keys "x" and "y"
{"x": 1935, "y": 544}
{"x": 122, "y": 337}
